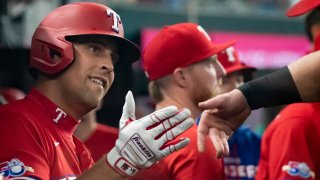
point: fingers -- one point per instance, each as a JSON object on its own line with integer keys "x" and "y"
{"x": 220, "y": 142}
{"x": 208, "y": 104}
{"x": 128, "y": 111}
{"x": 172, "y": 146}
{"x": 170, "y": 134}
{"x": 224, "y": 139}
{"x": 214, "y": 135}
{"x": 202, "y": 135}
{"x": 171, "y": 122}
{"x": 160, "y": 115}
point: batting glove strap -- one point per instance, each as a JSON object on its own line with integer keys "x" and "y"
{"x": 120, "y": 164}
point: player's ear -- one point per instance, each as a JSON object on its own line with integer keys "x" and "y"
{"x": 180, "y": 76}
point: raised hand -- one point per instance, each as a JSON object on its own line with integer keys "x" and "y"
{"x": 143, "y": 142}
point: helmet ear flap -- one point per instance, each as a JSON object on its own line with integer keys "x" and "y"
{"x": 44, "y": 50}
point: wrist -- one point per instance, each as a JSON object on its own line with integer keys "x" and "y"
{"x": 120, "y": 164}
{"x": 274, "y": 89}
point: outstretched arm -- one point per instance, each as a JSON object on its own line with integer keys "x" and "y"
{"x": 299, "y": 81}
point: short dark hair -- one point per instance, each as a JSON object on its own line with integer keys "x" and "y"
{"x": 311, "y": 19}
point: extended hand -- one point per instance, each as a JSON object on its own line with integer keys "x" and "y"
{"x": 143, "y": 142}
{"x": 223, "y": 114}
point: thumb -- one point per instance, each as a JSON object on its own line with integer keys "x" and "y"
{"x": 128, "y": 111}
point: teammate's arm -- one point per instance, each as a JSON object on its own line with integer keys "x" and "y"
{"x": 227, "y": 112}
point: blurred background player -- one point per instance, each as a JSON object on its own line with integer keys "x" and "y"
{"x": 9, "y": 94}
{"x": 182, "y": 67}
{"x": 244, "y": 144}
{"x": 295, "y": 130}
{"x": 97, "y": 137}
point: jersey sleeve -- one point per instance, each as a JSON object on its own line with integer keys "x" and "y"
{"x": 287, "y": 151}
{"x": 21, "y": 153}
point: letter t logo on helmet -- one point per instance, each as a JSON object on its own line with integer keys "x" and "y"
{"x": 116, "y": 20}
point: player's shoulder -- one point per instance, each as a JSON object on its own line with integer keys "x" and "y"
{"x": 15, "y": 111}
{"x": 300, "y": 109}
{"x": 296, "y": 118}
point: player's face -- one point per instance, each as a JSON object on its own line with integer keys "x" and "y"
{"x": 90, "y": 76}
{"x": 206, "y": 77}
{"x": 230, "y": 82}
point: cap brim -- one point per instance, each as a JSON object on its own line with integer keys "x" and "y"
{"x": 220, "y": 47}
{"x": 302, "y": 7}
{"x": 128, "y": 51}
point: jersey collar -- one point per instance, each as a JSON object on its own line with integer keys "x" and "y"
{"x": 61, "y": 119}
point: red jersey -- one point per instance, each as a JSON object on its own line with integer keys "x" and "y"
{"x": 291, "y": 144}
{"x": 37, "y": 141}
{"x": 102, "y": 140}
{"x": 188, "y": 163}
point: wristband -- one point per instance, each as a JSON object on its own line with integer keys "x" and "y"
{"x": 277, "y": 88}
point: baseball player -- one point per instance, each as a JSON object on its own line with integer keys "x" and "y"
{"x": 294, "y": 83}
{"x": 181, "y": 65}
{"x": 244, "y": 144}
{"x": 296, "y": 130}
{"x": 72, "y": 58}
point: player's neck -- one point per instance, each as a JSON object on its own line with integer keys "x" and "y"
{"x": 87, "y": 126}
{"x": 71, "y": 106}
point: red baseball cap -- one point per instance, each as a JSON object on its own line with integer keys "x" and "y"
{"x": 302, "y": 7}
{"x": 230, "y": 61}
{"x": 178, "y": 45}
{"x": 9, "y": 94}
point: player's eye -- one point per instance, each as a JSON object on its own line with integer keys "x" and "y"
{"x": 115, "y": 58}
{"x": 94, "y": 49}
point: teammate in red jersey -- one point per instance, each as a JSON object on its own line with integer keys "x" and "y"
{"x": 296, "y": 131}
{"x": 183, "y": 70}
{"x": 72, "y": 58}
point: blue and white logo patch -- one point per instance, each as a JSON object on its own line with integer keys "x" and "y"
{"x": 298, "y": 169}
{"x": 14, "y": 168}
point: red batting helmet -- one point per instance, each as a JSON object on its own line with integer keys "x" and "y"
{"x": 9, "y": 94}
{"x": 82, "y": 18}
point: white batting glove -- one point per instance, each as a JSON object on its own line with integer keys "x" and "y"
{"x": 143, "y": 142}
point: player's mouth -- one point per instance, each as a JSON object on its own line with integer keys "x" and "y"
{"x": 101, "y": 82}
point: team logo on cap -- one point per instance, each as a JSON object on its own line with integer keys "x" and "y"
{"x": 14, "y": 168}
{"x": 204, "y": 32}
{"x": 298, "y": 169}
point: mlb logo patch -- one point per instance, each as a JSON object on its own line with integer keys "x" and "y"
{"x": 300, "y": 169}
{"x": 13, "y": 168}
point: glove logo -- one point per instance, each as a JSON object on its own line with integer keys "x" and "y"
{"x": 138, "y": 142}
{"x": 126, "y": 167}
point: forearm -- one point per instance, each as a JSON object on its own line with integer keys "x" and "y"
{"x": 274, "y": 89}
{"x": 306, "y": 75}
{"x": 100, "y": 170}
